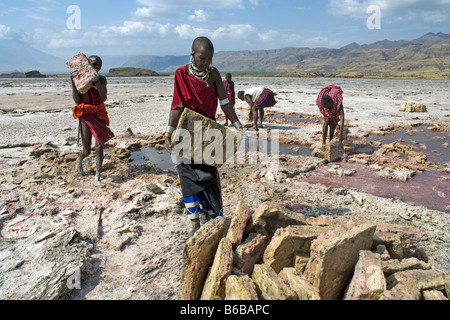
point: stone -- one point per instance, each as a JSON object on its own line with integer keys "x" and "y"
{"x": 334, "y": 150}
{"x": 299, "y": 284}
{"x": 238, "y": 224}
{"x": 339, "y": 171}
{"x": 398, "y": 174}
{"x": 83, "y": 79}
{"x": 43, "y": 268}
{"x": 301, "y": 261}
{"x": 269, "y": 286}
{"x": 447, "y": 284}
{"x": 214, "y": 288}
{"x": 334, "y": 256}
{"x": 198, "y": 255}
{"x": 368, "y": 282}
{"x": 250, "y": 252}
{"x": 434, "y": 295}
{"x": 240, "y": 288}
{"x": 393, "y": 266}
{"x": 285, "y": 244}
{"x": 407, "y": 285}
{"x": 413, "y": 107}
{"x": 201, "y": 140}
{"x": 271, "y": 216}
{"x": 128, "y": 132}
{"x": 393, "y": 243}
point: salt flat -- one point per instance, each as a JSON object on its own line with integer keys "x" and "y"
{"x": 39, "y": 110}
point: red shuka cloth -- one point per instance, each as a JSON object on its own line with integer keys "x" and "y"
{"x": 94, "y": 113}
{"x": 85, "y": 108}
{"x": 229, "y": 90}
{"x": 194, "y": 94}
{"x": 335, "y": 93}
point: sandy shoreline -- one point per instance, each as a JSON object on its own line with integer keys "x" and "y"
{"x": 38, "y": 191}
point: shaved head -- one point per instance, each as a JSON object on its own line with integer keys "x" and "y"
{"x": 202, "y": 43}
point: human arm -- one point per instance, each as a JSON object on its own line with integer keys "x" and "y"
{"x": 326, "y": 123}
{"x": 77, "y": 97}
{"x": 100, "y": 84}
{"x": 342, "y": 117}
{"x": 174, "y": 117}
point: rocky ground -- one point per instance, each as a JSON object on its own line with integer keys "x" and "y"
{"x": 63, "y": 237}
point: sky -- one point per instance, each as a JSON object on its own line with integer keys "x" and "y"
{"x": 168, "y": 27}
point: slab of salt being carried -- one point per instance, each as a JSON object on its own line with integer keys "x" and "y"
{"x": 84, "y": 70}
{"x": 200, "y": 140}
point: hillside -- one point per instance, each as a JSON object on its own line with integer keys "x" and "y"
{"x": 132, "y": 72}
{"x": 425, "y": 57}
{"x": 18, "y": 56}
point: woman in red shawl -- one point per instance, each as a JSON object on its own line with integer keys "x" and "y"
{"x": 93, "y": 119}
{"x": 198, "y": 86}
{"x": 330, "y": 105}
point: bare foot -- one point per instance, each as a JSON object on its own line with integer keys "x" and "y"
{"x": 79, "y": 167}
{"x": 98, "y": 183}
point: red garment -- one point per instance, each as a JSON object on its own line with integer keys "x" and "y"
{"x": 91, "y": 97}
{"x": 83, "y": 109}
{"x": 335, "y": 93}
{"x": 98, "y": 128}
{"x": 194, "y": 94}
{"x": 229, "y": 90}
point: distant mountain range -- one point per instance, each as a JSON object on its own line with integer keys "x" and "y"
{"x": 426, "y": 57}
{"x": 18, "y": 56}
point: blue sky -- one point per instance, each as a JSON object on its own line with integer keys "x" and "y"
{"x": 167, "y": 27}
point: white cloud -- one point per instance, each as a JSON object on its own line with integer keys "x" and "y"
{"x": 239, "y": 32}
{"x": 186, "y": 31}
{"x": 201, "y": 16}
{"x": 223, "y": 4}
{"x": 402, "y": 10}
{"x": 155, "y": 9}
{"x": 4, "y": 31}
{"x": 254, "y": 2}
{"x": 434, "y": 17}
{"x": 269, "y": 36}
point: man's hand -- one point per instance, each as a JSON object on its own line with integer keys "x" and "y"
{"x": 95, "y": 77}
{"x": 168, "y": 143}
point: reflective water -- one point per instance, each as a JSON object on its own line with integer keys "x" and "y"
{"x": 430, "y": 189}
{"x": 432, "y": 143}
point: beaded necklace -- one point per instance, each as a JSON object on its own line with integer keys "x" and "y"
{"x": 203, "y": 76}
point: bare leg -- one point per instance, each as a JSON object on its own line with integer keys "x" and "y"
{"x": 86, "y": 138}
{"x": 255, "y": 118}
{"x": 250, "y": 114}
{"x": 261, "y": 118}
{"x": 98, "y": 163}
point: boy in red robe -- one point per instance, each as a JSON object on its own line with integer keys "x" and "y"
{"x": 331, "y": 107}
{"x": 198, "y": 86}
{"x": 93, "y": 119}
{"x": 228, "y": 85}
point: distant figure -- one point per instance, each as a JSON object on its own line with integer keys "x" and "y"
{"x": 93, "y": 118}
{"x": 228, "y": 85}
{"x": 257, "y": 98}
{"x": 330, "y": 105}
{"x": 198, "y": 86}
